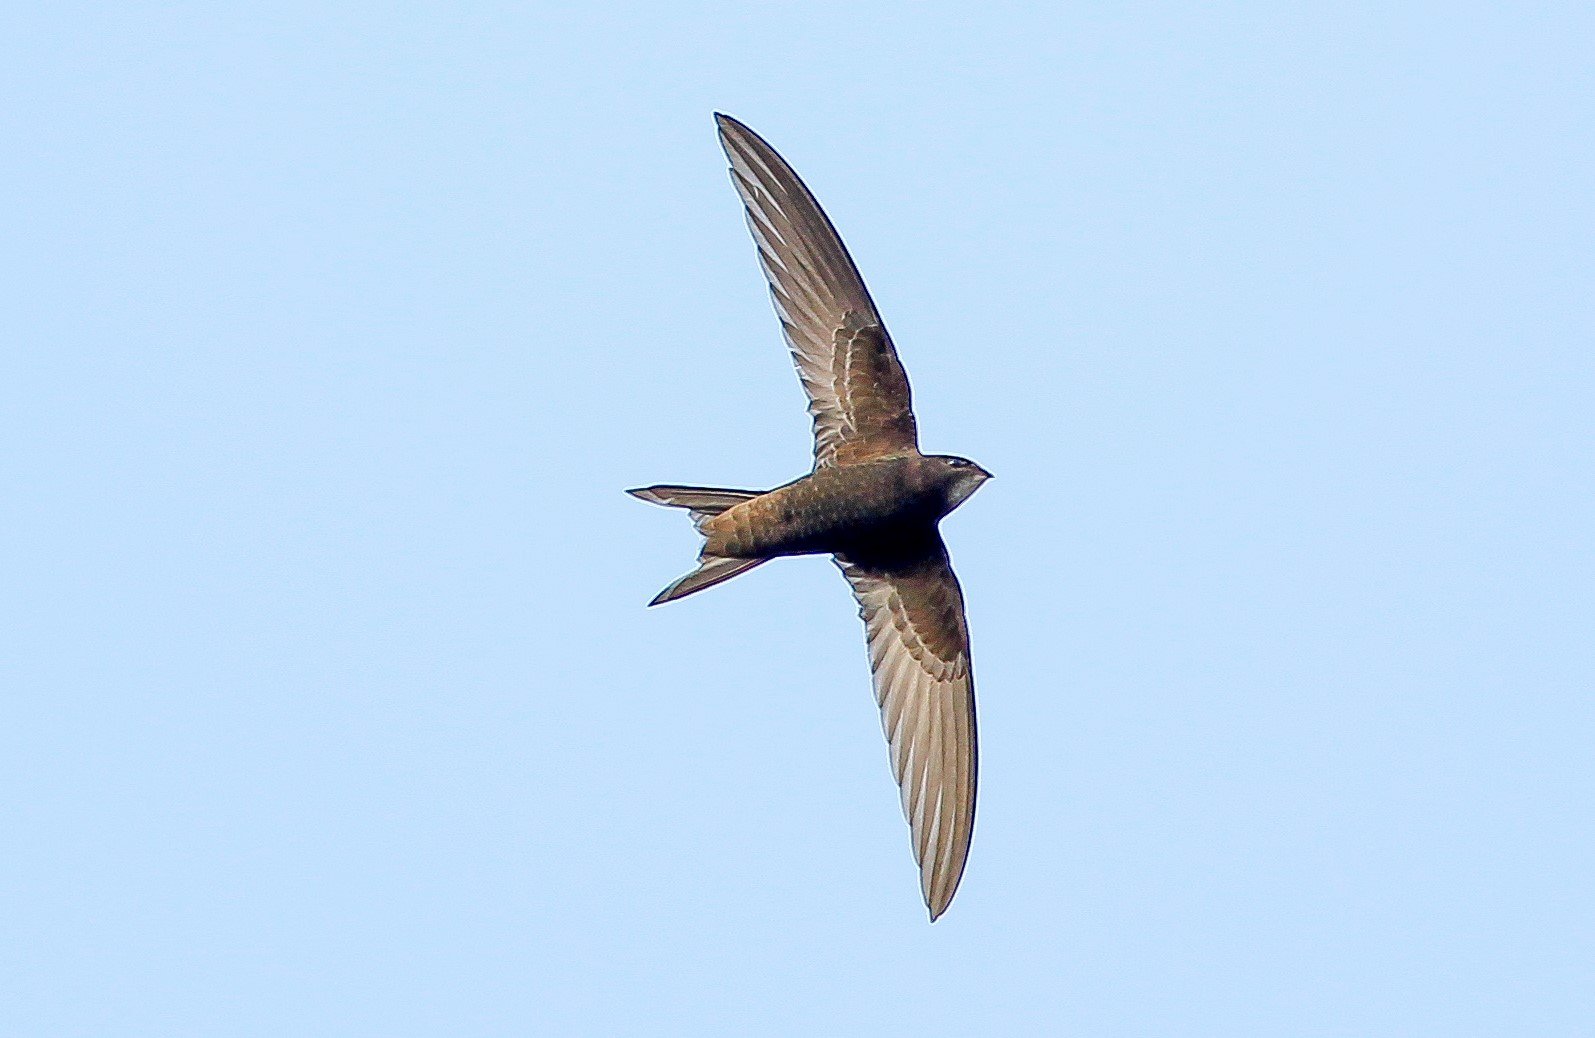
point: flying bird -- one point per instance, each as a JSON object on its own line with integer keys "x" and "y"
{"x": 872, "y": 501}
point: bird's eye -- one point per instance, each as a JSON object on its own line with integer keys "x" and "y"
{"x": 957, "y": 463}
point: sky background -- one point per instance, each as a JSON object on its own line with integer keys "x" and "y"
{"x": 332, "y": 334}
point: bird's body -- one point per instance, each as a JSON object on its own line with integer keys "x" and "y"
{"x": 863, "y": 510}
{"x": 873, "y": 501}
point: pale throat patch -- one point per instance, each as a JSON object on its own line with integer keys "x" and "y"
{"x": 963, "y": 488}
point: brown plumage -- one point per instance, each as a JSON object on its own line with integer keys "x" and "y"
{"x": 873, "y": 502}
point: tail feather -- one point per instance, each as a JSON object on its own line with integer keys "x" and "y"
{"x": 703, "y": 504}
{"x": 711, "y": 570}
{"x": 699, "y": 499}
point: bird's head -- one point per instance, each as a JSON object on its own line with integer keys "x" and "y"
{"x": 958, "y": 478}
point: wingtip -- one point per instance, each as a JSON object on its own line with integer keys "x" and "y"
{"x": 729, "y": 125}
{"x": 938, "y": 893}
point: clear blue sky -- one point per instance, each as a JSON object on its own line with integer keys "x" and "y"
{"x": 333, "y": 334}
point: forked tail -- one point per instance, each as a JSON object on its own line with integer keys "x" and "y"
{"x": 703, "y": 504}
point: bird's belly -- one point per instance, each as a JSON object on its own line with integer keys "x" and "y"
{"x": 811, "y": 516}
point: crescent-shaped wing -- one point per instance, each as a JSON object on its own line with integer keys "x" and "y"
{"x": 919, "y": 652}
{"x": 858, "y": 391}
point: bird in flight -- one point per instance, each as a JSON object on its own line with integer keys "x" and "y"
{"x": 872, "y": 501}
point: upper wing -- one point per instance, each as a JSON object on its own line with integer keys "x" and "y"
{"x": 858, "y": 392}
{"x": 919, "y": 652}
